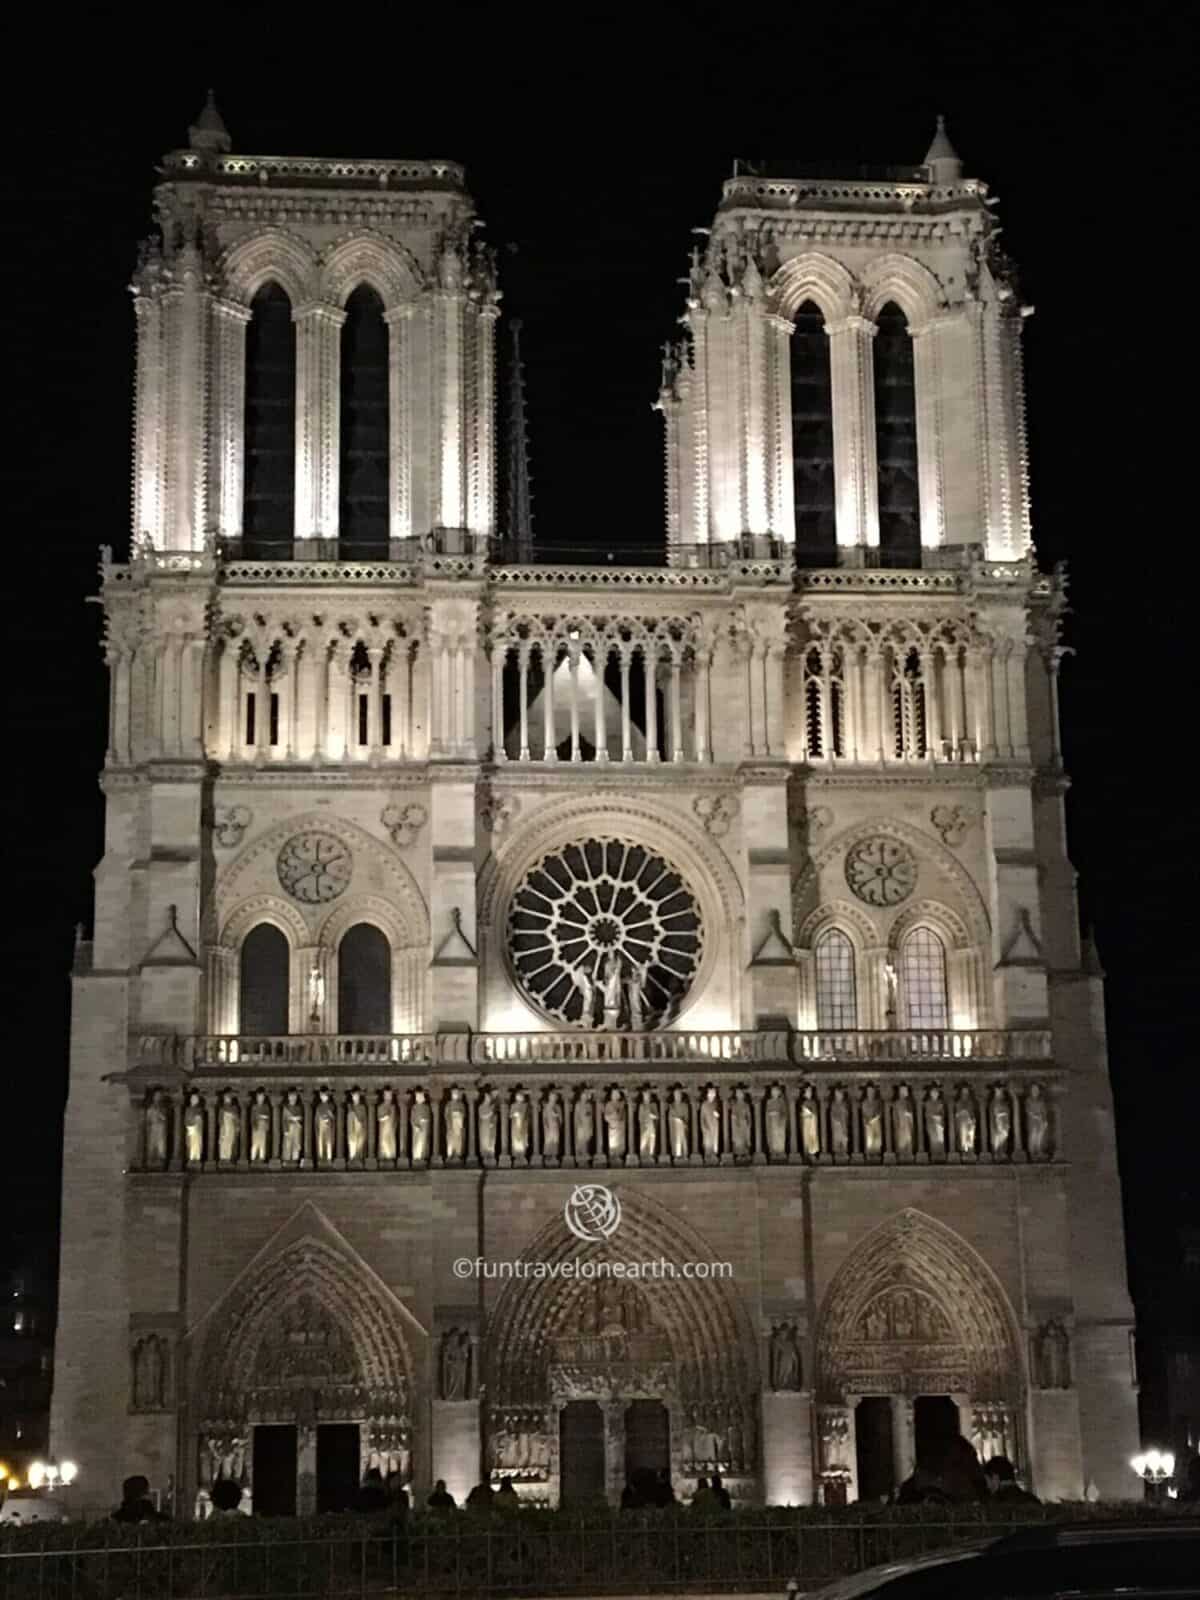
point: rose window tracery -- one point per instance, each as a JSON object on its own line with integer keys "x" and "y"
{"x": 881, "y": 871}
{"x": 605, "y": 931}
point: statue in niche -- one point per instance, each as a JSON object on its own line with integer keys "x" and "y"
{"x": 582, "y": 980}
{"x": 1000, "y": 1121}
{"x": 552, "y": 1126}
{"x": 710, "y": 1124}
{"x": 876, "y": 1322}
{"x": 291, "y": 1128}
{"x": 585, "y": 1124}
{"x": 489, "y": 1124}
{"x": 902, "y": 1315}
{"x": 647, "y": 1127}
{"x": 903, "y": 1124}
{"x": 149, "y": 1374}
{"x": 890, "y": 982}
{"x": 679, "y": 1132}
{"x": 260, "y": 1127}
{"x": 839, "y": 1123}
{"x": 193, "y": 1129}
{"x": 785, "y": 1357}
{"x": 456, "y": 1365}
{"x": 610, "y": 988}
{"x": 157, "y": 1124}
{"x": 740, "y": 1124}
{"x": 519, "y": 1126}
{"x": 386, "y": 1142}
{"x": 935, "y": 1122}
{"x": 455, "y": 1118}
{"x": 775, "y": 1115}
{"x": 229, "y": 1127}
{"x": 614, "y": 1123}
{"x": 325, "y": 1126}
{"x": 966, "y": 1123}
{"x": 356, "y": 1126}
{"x": 810, "y": 1123}
{"x": 872, "y": 1123}
{"x": 421, "y": 1126}
{"x": 1037, "y": 1123}
{"x": 636, "y": 989}
{"x": 1053, "y": 1356}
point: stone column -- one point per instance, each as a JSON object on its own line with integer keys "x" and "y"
{"x": 227, "y": 462}
{"x": 855, "y": 466}
{"x": 318, "y": 424}
{"x": 614, "y": 1450}
{"x": 904, "y": 1446}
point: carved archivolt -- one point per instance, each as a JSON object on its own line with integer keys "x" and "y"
{"x": 270, "y": 908}
{"x": 370, "y": 258}
{"x": 816, "y": 277}
{"x": 270, "y": 257}
{"x": 904, "y": 281}
{"x": 837, "y": 914}
{"x": 379, "y": 913}
{"x": 930, "y": 914}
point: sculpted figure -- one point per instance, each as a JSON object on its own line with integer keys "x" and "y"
{"x": 456, "y": 1354}
{"x": 966, "y": 1124}
{"x": 148, "y": 1374}
{"x": 260, "y": 1126}
{"x": 1054, "y": 1360}
{"x": 385, "y": 1126}
{"x": 810, "y": 1123}
{"x": 489, "y": 1124}
{"x": 903, "y": 1123}
{"x": 156, "y": 1129}
{"x": 291, "y": 1128}
{"x": 422, "y": 1128}
{"x": 552, "y": 1126}
{"x": 740, "y": 1124}
{"x": 935, "y": 1123}
{"x": 872, "y": 1123}
{"x": 614, "y": 1122}
{"x": 587, "y": 996}
{"x": 1000, "y": 1121}
{"x": 229, "y": 1127}
{"x": 637, "y": 997}
{"x": 193, "y": 1129}
{"x": 710, "y": 1123}
{"x": 775, "y": 1115}
{"x": 647, "y": 1127}
{"x": 356, "y": 1126}
{"x": 785, "y": 1358}
{"x": 518, "y": 1126}
{"x": 679, "y": 1126}
{"x": 585, "y": 1124}
{"x": 1037, "y": 1123}
{"x": 456, "y": 1126}
{"x": 325, "y": 1126}
{"x": 610, "y": 988}
{"x": 839, "y": 1123}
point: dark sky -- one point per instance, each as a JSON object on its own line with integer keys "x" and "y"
{"x": 594, "y": 143}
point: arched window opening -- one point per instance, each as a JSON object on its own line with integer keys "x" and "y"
{"x": 264, "y": 981}
{"x": 837, "y": 1006}
{"x": 363, "y": 482}
{"x": 268, "y": 514}
{"x": 909, "y": 708}
{"x": 812, "y": 439}
{"x": 824, "y": 704}
{"x": 923, "y": 979}
{"x": 364, "y": 981}
{"x": 896, "y": 440}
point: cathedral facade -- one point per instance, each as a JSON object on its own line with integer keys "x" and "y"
{"x": 565, "y": 1022}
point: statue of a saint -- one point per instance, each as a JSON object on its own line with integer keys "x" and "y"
{"x": 904, "y": 1124}
{"x": 551, "y": 1126}
{"x": 740, "y": 1124}
{"x": 1000, "y": 1121}
{"x": 456, "y": 1355}
{"x": 610, "y": 988}
{"x": 356, "y": 1126}
{"x": 325, "y": 1127}
{"x": 519, "y": 1126}
{"x": 291, "y": 1128}
{"x": 890, "y": 988}
{"x": 385, "y": 1126}
{"x": 456, "y": 1126}
{"x": 636, "y": 987}
{"x": 229, "y": 1127}
{"x": 193, "y": 1129}
{"x": 489, "y": 1125}
{"x": 585, "y": 1124}
{"x": 839, "y": 1123}
{"x": 157, "y": 1124}
{"x": 710, "y": 1124}
{"x": 260, "y": 1126}
{"x": 615, "y": 1126}
{"x": 935, "y": 1123}
{"x": 966, "y": 1124}
{"x": 810, "y": 1123}
{"x": 775, "y": 1115}
{"x": 148, "y": 1374}
{"x": 872, "y": 1123}
{"x": 785, "y": 1357}
{"x": 421, "y": 1126}
{"x": 1037, "y": 1123}
{"x": 647, "y": 1127}
{"x": 679, "y": 1131}
{"x": 1054, "y": 1357}
{"x": 582, "y": 980}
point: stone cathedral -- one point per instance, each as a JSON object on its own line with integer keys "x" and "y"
{"x": 474, "y": 935}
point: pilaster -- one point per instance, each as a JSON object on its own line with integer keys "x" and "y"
{"x": 855, "y": 467}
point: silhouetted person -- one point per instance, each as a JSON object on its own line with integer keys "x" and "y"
{"x": 507, "y": 1498}
{"x": 440, "y": 1498}
{"x": 664, "y": 1493}
{"x": 136, "y": 1504}
{"x": 704, "y": 1499}
{"x": 961, "y": 1474}
{"x": 1001, "y": 1478}
{"x": 630, "y": 1497}
{"x": 373, "y": 1497}
{"x": 923, "y": 1488}
{"x": 480, "y": 1498}
{"x": 1189, "y": 1482}
{"x": 226, "y": 1498}
{"x": 397, "y": 1494}
{"x": 722, "y": 1493}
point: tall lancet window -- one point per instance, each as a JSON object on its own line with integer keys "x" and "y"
{"x": 265, "y": 960}
{"x": 364, "y": 444}
{"x": 923, "y": 980}
{"x": 837, "y": 1006}
{"x": 896, "y": 440}
{"x": 812, "y": 439}
{"x": 270, "y": 427}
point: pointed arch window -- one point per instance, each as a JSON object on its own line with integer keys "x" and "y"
{"x": 268, "y": 512}
{"x": 896, "y": 439}
{"x": 364, "y": 982}
{"x": 812, "y": 438}
{"x": 837, "y": 1002}
{"x": 363, "y": 477}
{"x": 923, "y": 980}
{"x": 263, "y": 980}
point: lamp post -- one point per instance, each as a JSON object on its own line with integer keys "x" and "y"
{"x": 1155, "y": 1468}
{"x": 49, "y": 1475}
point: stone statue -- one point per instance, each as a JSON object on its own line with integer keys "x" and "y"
{"x": 890, "y": 988}
{"x": 385, "y": 1126}
{"x": 229, "y": 1127}
{"x": 1037, "y": 1123}
{"x": 785, "y": 1357}
{"x": 456, "y": 1126}
{"x": 679, "y": 1129}
{"x": 489, "y": 1125}
{"x": 647, "y": 1127}
{"x": 740, "y": 1124}
{"x": 1000, "y": 1121}
{"x": 775, "y": 1115}
{"x": 637, "y": 997}
{"x": 904, "y": 1124}
{"x": 456, "y": 1358}
{"x": 610, "y": 988}
{"x": 291, "y": 1128}
{"x": 872, "y": 1123}
{"x": 587, "y": 996}
{"x": 260, "y": 1126}
{"x": 421, "y": 1128}
{"x": 710, "y": 1123}
{"x": 193, "y": 1129}
{"x": 552, "y": 1126}
{"x": 614, "y": 1122}
{"x": 1053, "y": 1356}
{"x": 325, "y": 1126}
{"x": 935, "y": 1123}
{"x": 157, "y": 1122}
{"x": 518, "y": 1126}
{"x": 810, "y": 1123}
{"x": 839, "y": 1123}
{"x": 585, "y": 1124}
{"x": 149, "y": 1374}
{"x": 356, "y": 1126}
{"x": 966, "y": 1124}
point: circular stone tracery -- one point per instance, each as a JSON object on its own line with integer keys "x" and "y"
{"x": 582, "y": 903}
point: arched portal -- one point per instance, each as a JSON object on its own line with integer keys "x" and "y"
{"x": 914, "y": 1315}
{"x": 685, "y": 1344}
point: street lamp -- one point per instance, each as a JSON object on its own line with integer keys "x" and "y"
{"x": 1155, "y": 1468}
{"x": 48, "y": 1474}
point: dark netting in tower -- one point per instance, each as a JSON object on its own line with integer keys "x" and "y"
{"x": 896, "y": 440}
{"x": 812, "y": 439}
{"x": 270, "y": 482}
{"x": 363, "y": 483}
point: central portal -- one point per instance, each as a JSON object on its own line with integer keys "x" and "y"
{"x": 275, "y": 1458}
{"x": 581, "y": 1452}
{"x": 338, "y": 1464}
{"x": 647, "y": 1445}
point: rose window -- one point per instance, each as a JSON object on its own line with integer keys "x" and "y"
{"x": 603, "y": 933}
{"x": 881, "y": 871}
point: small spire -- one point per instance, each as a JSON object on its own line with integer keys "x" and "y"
{"x": 209, "y": 132}
{"x": 520, "y": 497}
{"x": 1089, "y": 959}
{"x": 942, "y": 158}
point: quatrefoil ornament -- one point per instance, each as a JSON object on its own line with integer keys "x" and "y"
{"x": 404, "y": 823}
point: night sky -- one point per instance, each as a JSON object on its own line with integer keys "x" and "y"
{"x": 594, "y": 142}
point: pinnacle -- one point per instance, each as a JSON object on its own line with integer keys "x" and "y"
{"x": 209, "y": 132}
{"x": 941, "y": 149}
